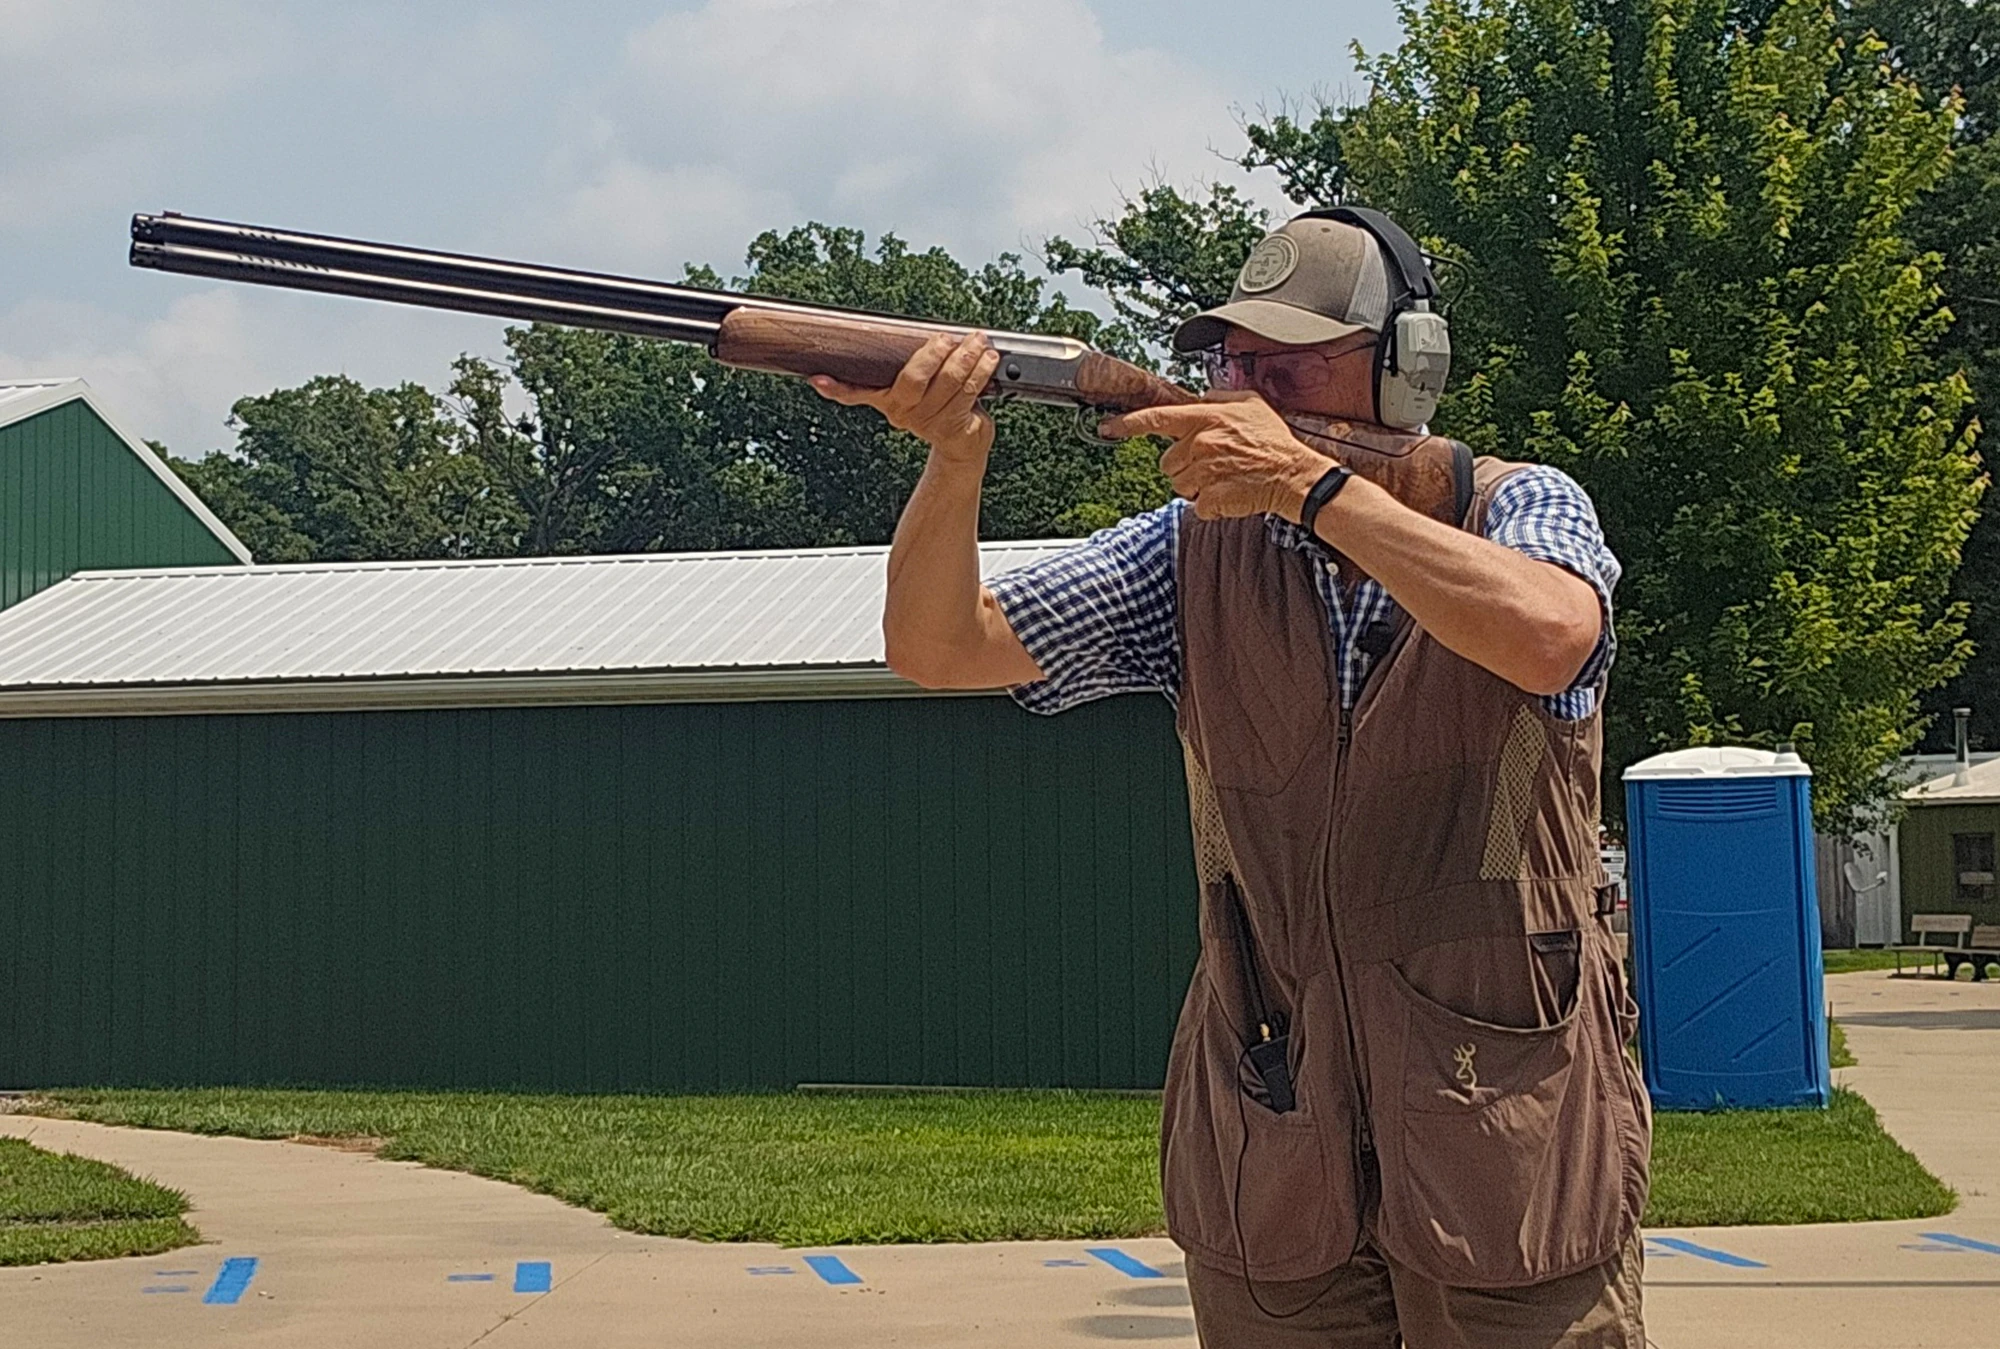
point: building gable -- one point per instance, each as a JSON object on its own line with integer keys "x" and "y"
{"x": 77, "y": 493}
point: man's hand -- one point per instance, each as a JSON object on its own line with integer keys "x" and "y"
{"x": 935, "y": 398}
{"x": 1232, "y": 455}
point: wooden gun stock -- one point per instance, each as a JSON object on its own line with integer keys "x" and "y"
{"x": 871, "y": 354}
{"x": 1429, "y": 474}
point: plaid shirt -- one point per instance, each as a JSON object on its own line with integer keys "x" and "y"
{"x": 1099, "y": 618}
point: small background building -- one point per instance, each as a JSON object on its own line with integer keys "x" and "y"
{"x": 1946, "y": 845}
{"x": 647, "y": 823}
{"x": 76, "y": 492}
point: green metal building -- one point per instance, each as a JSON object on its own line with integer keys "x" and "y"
{"x": 657, "y": 823}
{"x": 1945, "y": 845}
{"x": 76, "y": 492}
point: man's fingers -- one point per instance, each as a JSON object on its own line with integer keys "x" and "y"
{"x": 847, "y": 394}
{"x": 1175, "y": 422}
{"x": 915, "y": 378}
{"x": 950, "y": 384}
{"x": 1178, "y": 456}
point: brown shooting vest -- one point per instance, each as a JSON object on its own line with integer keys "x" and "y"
{"x": 1412, "y": 894}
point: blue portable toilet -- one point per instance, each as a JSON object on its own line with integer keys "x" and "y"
{"x": 1725, "y": 929}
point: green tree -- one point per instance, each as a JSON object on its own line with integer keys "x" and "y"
{"x": 1682, "y": 271}
{"x": 1946, "y": 46}
{"x": 331, "y": 471}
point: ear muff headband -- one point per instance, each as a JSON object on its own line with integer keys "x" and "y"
{"x": 1411, "y": 269}
{"x": 1417, "y": 290}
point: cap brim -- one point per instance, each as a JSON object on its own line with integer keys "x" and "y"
{"x": 1270, "y": 319}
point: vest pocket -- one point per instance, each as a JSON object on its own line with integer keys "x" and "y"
{"x": 1504, "y": 1162}
{"x": 1247, "y": 1186}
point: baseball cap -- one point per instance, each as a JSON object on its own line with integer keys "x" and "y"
{"x": 1313, "y": 280}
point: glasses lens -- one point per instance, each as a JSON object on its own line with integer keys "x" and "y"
{"x": 1292, "y": 374}
{"x": 1224, "y": 371}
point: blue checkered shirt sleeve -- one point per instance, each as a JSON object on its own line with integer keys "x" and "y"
{"x": 1099, "y": 618}
{"x": 1542, "y": 513}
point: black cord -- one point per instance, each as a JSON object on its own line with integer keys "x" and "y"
{"x": 1236, "y": 1213}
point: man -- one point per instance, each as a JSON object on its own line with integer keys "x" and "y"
{"x": 1397, "y": 1103}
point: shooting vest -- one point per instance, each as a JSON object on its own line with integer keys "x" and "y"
{"x": 1411, "y": 894}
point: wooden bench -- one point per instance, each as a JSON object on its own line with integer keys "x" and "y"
{"x": 1955, "y": 928}
{"x": 1981, "y": 952}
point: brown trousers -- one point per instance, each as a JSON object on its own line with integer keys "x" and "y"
{"x": 1373, "y": 1303}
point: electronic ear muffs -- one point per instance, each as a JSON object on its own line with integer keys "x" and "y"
{"x": 1414, "y": 356}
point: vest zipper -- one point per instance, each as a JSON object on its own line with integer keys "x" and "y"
{"x": 1345, "y": 736}
{"x": 1365, "y": 1134}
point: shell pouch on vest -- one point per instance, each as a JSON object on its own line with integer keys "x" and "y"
{"x": 1223, "y": 1119}
{"x": 1490, "y": 1066}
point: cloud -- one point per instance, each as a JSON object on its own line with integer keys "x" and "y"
{"x": 91, "y": 92}
{"x": 174, "y": 377}
{"x": 980, "y": 127}
{"x": 625, "y": 135}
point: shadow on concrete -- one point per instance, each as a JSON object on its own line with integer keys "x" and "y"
{"x": 1970, "y": 1018}
{"x": 1135, "y": 1327}
{"x": 1154, "y": 1295}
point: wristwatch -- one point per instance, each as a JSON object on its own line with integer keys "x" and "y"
{"x": 1326, "y": 489}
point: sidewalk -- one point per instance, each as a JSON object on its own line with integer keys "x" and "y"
{"x": 1928, "y": 1060}
{"x": 351, "y": 1251}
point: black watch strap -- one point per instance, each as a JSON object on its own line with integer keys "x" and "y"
{"x": 1326, "y": 489}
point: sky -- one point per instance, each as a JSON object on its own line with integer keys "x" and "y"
{"x": 635, "y": 137}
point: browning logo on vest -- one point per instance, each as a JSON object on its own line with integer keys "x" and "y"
{"x": 1421, "y": 899}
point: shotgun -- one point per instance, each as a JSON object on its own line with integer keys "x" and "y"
{"x": 750, "y": 332}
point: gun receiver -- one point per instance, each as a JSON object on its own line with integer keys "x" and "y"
{"x": 752, "y": 332}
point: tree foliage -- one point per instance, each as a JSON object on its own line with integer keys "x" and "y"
{"x": 1947, "y": 46}
{"x": 633, "y": 445}
{"x": 1682, "y": 269}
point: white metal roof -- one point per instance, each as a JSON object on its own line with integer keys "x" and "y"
{"x": 1981, "y": 787}
{"x": 641, "y": 627}
{"x": 23, "y": 398}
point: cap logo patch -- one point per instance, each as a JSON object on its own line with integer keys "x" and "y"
{"x": 1268, "y": 265}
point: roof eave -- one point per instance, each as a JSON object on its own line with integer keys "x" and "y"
{"x": 409, "y": 693}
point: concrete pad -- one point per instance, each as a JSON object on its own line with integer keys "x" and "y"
{"x": 1928, "y": 1060}
{"x": 356, "y": 1252}
{"x": 353, "y": 1251}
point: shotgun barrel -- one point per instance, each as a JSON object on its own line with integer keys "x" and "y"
{"x": 749, "y": 331}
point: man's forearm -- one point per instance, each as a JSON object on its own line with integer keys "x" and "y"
{"x": 1528, "y": 621}
{"x": 939, "y": 626}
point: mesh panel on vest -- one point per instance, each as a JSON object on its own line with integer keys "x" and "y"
{"x": 1514, "y": 798}
{"x": 1212, "y": 856}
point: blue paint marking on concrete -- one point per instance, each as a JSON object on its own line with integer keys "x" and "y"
{"x": 231, "y": 1281}
{"x": 468, "y": 1278}
{"x": 166, "y": 1288}
{"x": 1123, "y": 1263}
{"x": 531, "y": 1276}
{"x": 832, "y": 1269}
{"x": 1066, "y": 1264}
{"x": 1966, "y": 1243}
{"x": 1686, "y": 1247}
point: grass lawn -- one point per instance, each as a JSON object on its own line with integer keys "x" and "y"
{"x": 1848, "y": 961}
{"x": 58, "y": 1207}
{"x": 1786, "y": 1166}
{"x": 823, "y": 1169}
